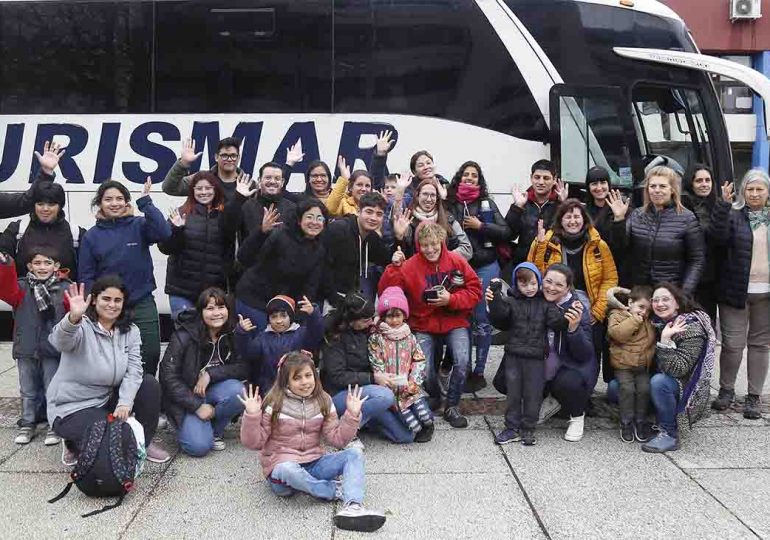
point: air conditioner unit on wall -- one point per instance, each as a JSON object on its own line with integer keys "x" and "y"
{"x": 745, "y": 10}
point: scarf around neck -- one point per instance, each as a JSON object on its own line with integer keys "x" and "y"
{"x": 394, "y": 334}
{"x": 757, "y": 218}
{"x": 41, "y": 290}
{"x": 423, "y": 216}
{"x": 467, "y": 193}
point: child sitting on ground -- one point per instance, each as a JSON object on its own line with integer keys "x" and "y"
{"x": 394, "y": 350}
{"x": 287, "y": 429}
{"x": 528, "y": 316}
{"x": 632, "y": 349}
{"x": 263, "y": 350}
{"x": 38, "y": 302}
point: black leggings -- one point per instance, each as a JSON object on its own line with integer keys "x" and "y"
{"x": 146, "y": 410}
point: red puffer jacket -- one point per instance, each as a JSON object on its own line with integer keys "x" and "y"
{"x": 417, "y": 274}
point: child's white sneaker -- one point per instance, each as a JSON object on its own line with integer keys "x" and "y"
{"x": 575, "y": 429}
{"x": 24, "y": 435}
{"x": 51, "y": 438}
{"x": 354, "y": 517}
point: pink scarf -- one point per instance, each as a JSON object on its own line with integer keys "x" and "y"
{"x": 468, "y": 193}
{"x": 394, "y": 334}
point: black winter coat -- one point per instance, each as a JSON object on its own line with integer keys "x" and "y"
{"x": 249, "y": 213}
{"x": 55, "y": 236}
{"x": 348, "y": 257}
{"x": 18, "y": 204}
{"x": 345, "y": 361}
{"x": 731, "y": 232}
{"x": 703, "y": 208}
{"x": 495, "y": 232}
{"x": 288, "y": 263}
{"x": 189, "y": 351}
{"x": 523, "y": 223}
{"x": 528, "y": 320}
{"x": 663, "y": 246}
{"x": 199, "y": 254}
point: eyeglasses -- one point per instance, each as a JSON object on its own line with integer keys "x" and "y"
{"x": 317, "y": 219}
{"x": 428, "y": 196}
{"x": 661, "y": 300}
{"x": 229, "y": 157}
{"x": 318, "y": 176}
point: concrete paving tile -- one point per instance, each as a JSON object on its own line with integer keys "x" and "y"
{"x": 731, "y": 487}
{"x": 456, "y": 451}
{"x": 717, "y": 448}
{"x": 235, "y": 504}
{"x": 9, "y": 383}
{"x": 235, "y": 461}
{"x": 27, "y": 513}
{"x": 7, "y": 446}
{"x": 419, "y": 506}
{"x": 616, "y": 490}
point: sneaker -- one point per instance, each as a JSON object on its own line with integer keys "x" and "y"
{"x": 24, "y": 435}
{"x": 575, "y": 429}
{"x": 338, "y": 495}
{"x": 455, "y": 419}
{"x": 162, "y": 422}
{"x": 219, "y": 444}
{"x": 548, "y": 408}
{"x": 425, "y": 434}
{"x": 662, "y": 443}
{"x": 643, "y": 431}
{"x": 528, "y": 437}
{"x": 507, "y": 436}
{"x": 723, "y": 400}
{"x": 627, "y": 432}
{"x": 156, "y": 454}
{"x": 69, "y": 458}
{"x": 51, "y": 438}
{"x": 354, "y": 517}
{"x": 752, "y": 407}
{"x": 355, "y": 443}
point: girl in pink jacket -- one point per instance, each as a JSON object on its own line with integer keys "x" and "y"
{"x": 287, "y": 429}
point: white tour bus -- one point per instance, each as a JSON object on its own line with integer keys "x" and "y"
{"x": 502, "y": 82}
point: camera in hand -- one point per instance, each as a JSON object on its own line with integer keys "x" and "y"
{"x": 431, "y": 293}
{"x": 496, "y": 286}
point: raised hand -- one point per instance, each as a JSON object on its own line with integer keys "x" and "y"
{"x": 344, "y": 169}
{"x": 243, "y": 185}
{"x": 728, "y": 192}
{"x": 618, "y": 206}
{"x": 540, "y": 231}
{"x": 122, "y": 412}
{"x": 270, "y": 219}
{"x": 398, "y": 257}
{"x": 562, "y": 191}
{"x": 251, "y": 400}
{"x": 147, "y": 188}
{"x": 188, "y": 153}
{"x": 673, "y": 328}
{"x": 305, "y": 306}
{"x": 441, "y": 190}
{"x": 519, "y": 197}
{"x": 384, "y": 143}
{"x": 404, "y": 181}
{"x": 574, "y": 314}
{"x": 177, "y": 219}
{"x": 245, "y": 324}
{"x": 49, "y": 160}
{"x": 294, "y": 153}
{"x": 354, "y": 401}
{"x": 203, "y": 383}
{"x": 401, "y": 222}
{"x": 78, "y": 301}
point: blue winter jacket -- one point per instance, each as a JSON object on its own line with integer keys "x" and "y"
{"x": 122, "y": 246}
{"x": 576, "y": 349}
{"x": 263, "y": 350}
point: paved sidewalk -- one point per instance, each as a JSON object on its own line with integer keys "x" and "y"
{"x": 461, "y": 485}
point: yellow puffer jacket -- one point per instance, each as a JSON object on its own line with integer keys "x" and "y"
{"x": 340, "y": 203}
{"x": 599, "y": 270}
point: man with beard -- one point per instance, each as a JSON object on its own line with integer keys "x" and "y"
{"x": 226, "y": 169}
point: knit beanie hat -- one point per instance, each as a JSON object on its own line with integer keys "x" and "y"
{"x": 281, "y": 303}
{"x": 597, "y": 174}
{"x": 357, "y": 307}
{"x": 48, "y": 192}
{"x": 392, "y": 298}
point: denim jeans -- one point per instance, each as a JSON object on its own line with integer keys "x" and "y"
{"x": 377, "y": 413}
{"x": 318, "y": 477}
{"x": 178, "y": 304}
{"x": 34, "y": 376}
{"x": 482, "y": 329}
{"x": 196, "y": 436}
{"x": 458, "y": 341}
{"x": 257, "y": 316}
{"x": 664, "y": 390}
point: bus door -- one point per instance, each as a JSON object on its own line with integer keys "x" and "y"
{"x": 592, "y": 125}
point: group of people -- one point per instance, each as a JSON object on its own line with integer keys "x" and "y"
{"x": 357, "y": 304}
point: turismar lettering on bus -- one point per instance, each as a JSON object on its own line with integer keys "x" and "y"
{"x": 149, "y": 141}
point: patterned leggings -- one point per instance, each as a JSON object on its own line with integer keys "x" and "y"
{"x": 417, "y": 415}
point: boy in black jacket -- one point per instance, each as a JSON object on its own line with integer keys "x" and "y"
{"x": 528, "y": 316}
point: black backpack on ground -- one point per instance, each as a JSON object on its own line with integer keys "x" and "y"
{"x": 106, "y": 465}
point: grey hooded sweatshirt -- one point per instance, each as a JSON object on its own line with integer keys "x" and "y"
{"x": 93, "y": 363}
